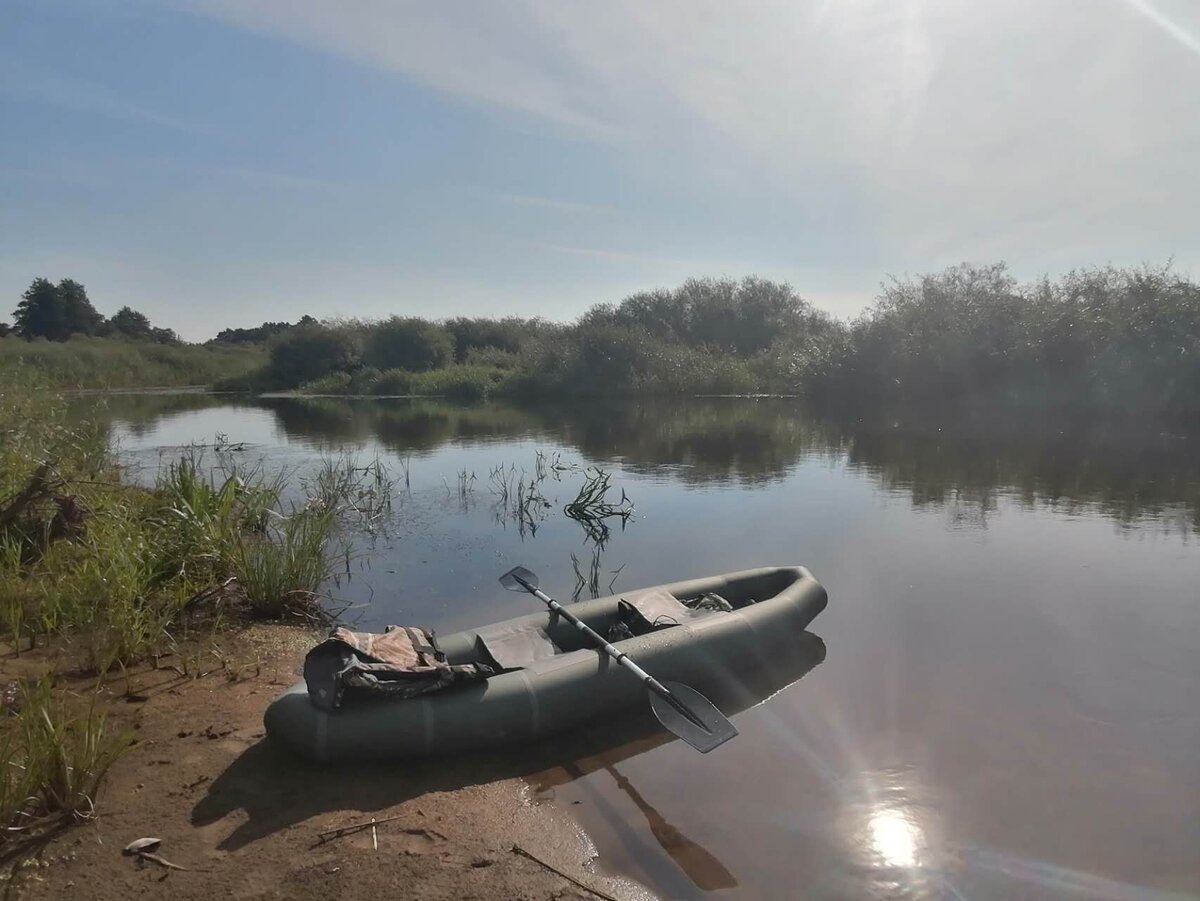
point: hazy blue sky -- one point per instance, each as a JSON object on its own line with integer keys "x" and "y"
{"x": 222, "y": 162}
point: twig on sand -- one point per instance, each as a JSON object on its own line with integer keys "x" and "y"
{"x": 356, "y": 827}
{"x": 143, "y": 849}
{"x": 517, "y": 849}
{"x": 161, "y": 861}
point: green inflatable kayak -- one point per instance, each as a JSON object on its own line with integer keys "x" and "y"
{"x": 710, "y": 633}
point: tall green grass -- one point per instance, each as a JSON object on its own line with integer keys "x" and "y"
{"x": 117, "y": 570}
{"x": 53, "y": 756}
{"x": 280, "y": 571}
{"x": 87, "y": 362}
{"x": 137, "y": 559}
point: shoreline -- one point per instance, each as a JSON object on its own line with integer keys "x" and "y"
{"x": 244, "y": 818}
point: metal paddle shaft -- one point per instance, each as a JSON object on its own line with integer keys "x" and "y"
{"x": 680, "y": 708}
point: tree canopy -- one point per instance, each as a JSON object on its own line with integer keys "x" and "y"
{"x": 55, "y": 312}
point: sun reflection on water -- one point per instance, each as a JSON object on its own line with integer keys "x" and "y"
{"x": 895, "y": 837}
{"x": 892, "y": 822}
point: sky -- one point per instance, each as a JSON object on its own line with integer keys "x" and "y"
{"x": 219, "y": 163}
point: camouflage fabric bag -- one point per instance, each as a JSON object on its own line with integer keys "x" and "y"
{"x": 402, "y": 662}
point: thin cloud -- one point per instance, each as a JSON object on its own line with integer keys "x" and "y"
{"x": 558, "y": 205}
{"x": 601, "y": 253}
{"x": 24, "y": 83}
{"x": 487, "y": 56}
{"x": 927, "y": 117}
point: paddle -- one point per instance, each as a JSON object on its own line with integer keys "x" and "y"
{"x": 681, "y": 709}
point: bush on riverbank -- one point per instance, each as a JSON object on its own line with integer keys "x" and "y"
{"x": 460, "y": 382}
{"x": 1097, "y": 339}
{"x": 1120, "y": 339}
{"x": 90, "y": 362}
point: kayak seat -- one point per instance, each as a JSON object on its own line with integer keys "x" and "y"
{"x": 518, "y": 644}
{"x": 514, "y": 645}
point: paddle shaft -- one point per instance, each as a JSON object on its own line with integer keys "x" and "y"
{"x": 620, "y": 656}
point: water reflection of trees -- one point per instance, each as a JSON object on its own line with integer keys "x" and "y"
{"x": 1126, "y": 470}
{"x": 139, "y": 414}
{"x": 402, "y": 425}
{"x": 1129, "y": 471}
{"x": 700, "y": 440}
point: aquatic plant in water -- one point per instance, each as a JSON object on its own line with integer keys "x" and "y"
{"x": 591, "y": 506}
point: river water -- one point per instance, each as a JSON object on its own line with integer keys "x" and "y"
{"x": 1002, "y": 699}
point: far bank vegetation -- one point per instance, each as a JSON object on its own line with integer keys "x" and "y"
{"x": 1106, "y": 338}
{"x": 1094, "y": 339}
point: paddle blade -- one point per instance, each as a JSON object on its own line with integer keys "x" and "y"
{"x": 695, "y": 720}
{"x": 519, "y": 579}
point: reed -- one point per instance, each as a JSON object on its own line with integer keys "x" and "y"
{"x": 591, "y": 507}
{"x": 89, "y": 362}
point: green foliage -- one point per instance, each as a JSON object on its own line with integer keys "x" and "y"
{"x": 506, "y": 336}
{"x": 1102, "y": 338}
{"x": 258, "y": 334}
{"x": 338, "y": 383}
{"x": 114, "y": 363}
{"x": 1099, "y": 338}
{"x": 280, "y": 569}
{"x": 54, "y": 755}
{"x": 721, "y": 314}
{"x": 308, "y": 352}
{"x": 131, "y": 561}
{"x": 55, "y": 312}
{"x": 493, "y": 357}
{"x": 129, "y": 323}
{"x": 407, "y": 343}
{"x": 467, "y": 382}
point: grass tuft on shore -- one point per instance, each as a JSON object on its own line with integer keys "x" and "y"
{"x": 54, "y": 753}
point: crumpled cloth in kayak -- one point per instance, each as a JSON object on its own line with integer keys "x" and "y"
{"x": 656, "y": 609}
{"x": 401, "y": 662}
{"x": 515, "y": 646}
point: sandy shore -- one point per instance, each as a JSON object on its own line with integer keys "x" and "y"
{"x": 244, "y": 818}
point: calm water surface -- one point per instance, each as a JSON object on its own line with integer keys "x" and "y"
{"x": 1003, "y": 696}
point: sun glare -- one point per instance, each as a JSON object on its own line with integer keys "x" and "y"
{"x": 895, "y": 838}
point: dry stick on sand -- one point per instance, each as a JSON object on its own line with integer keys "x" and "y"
{"x": 517, "y": 849}
{"x": 355, "y": 827}
{"x": 161, "y": 861}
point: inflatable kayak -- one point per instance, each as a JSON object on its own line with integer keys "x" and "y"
{"x": 550, "y": 680}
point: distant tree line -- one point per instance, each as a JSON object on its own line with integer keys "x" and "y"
{"x": 56, "y": 312}
{"x": 1101, "y": 338}
{"x": 258, "y": 334}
